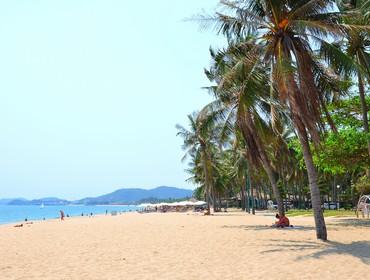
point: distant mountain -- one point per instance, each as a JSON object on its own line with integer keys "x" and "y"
{"x": 122, "y": 196}
{"x": 47, "y": 201}
{"x": 6, "y": 201}
{"x": 132, "y": 196}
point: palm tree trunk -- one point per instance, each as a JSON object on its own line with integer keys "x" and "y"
{"x": 242, "y": 195}
{"x": 264, "y": 197}
{"x": 361, "y": 90}
{"x": 301, "y": 198}
{"x": 214, "y": 199}
{"x": 206, "y": 181}
{"x": 247, "y": 205}
{"x": 299, "y": 112}
{"x": 207, "y": 199}
{"x": 252, "y": 195}
{"x": 321, "y": 232}
{"x": 259, "y": 197}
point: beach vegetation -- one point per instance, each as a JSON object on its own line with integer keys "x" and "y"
{"x": 290, "y": 95}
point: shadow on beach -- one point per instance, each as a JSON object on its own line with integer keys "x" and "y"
{"x": 357, "y": 249}
{"x": 267, "y": 227}
{"x": 351, "y": 222}
{"x": 227, "y": 214}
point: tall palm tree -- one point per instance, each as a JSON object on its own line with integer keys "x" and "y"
{"x": 285, "y": 30}
{"x": 356, "y": 48}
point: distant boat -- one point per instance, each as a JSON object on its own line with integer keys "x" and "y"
{"x": 42, "y": 205}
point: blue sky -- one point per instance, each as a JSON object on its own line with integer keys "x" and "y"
{"x": 91, "y": 91}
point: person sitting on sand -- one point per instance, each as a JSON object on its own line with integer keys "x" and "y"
{"x": 282, "y": 222}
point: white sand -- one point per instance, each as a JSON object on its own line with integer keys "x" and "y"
{"x": 183, "y": 246}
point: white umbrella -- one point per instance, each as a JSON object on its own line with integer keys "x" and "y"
{"x": 200, "y": 203}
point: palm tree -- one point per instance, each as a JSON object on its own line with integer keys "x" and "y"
{"x": 285, "y": 30}
{"x": 240, "y": 96}
{"x": 198, "y": 144}
{"x": 356, "y": 51}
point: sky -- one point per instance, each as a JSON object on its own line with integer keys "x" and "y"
{"x": 91, "y": 91}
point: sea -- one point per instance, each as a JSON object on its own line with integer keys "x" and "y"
{"x": 17, "y": 213}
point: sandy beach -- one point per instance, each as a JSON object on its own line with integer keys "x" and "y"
{"x": 184, "y": 246}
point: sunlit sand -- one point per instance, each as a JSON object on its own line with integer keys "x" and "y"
{"x": 183, "y": 246}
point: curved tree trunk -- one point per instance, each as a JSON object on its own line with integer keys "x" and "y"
{"x": 321, "y": 232}
{"x": 305, "y": 117}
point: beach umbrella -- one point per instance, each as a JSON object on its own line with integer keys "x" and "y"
{"x": 200, "y": 203}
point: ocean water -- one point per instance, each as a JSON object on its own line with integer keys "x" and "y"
{"x": 12, "y": 214}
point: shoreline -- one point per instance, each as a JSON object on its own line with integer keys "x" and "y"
{"x": 56, "y": 216}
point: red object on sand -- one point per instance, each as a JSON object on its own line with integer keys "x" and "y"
{"x": 283, "y": 222}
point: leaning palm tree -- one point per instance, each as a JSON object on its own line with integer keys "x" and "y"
{"x": 240, "y": 94}
{"x": 285, "y": 30}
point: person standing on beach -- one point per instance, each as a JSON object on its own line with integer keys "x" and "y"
{"x": 61, "y": 215}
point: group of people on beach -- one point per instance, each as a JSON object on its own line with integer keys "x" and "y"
{"x": 62, "y": 215}
{"x": 282, "y": 221}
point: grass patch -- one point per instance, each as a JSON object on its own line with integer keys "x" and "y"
{"x": 327, "y": 213}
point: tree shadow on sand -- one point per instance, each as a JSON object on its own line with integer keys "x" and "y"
{"x": 357, "y": 249}
{"x": 227, "y": 214}
{"x": 267, "y": 227}
{"x": 351, "y": 222}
